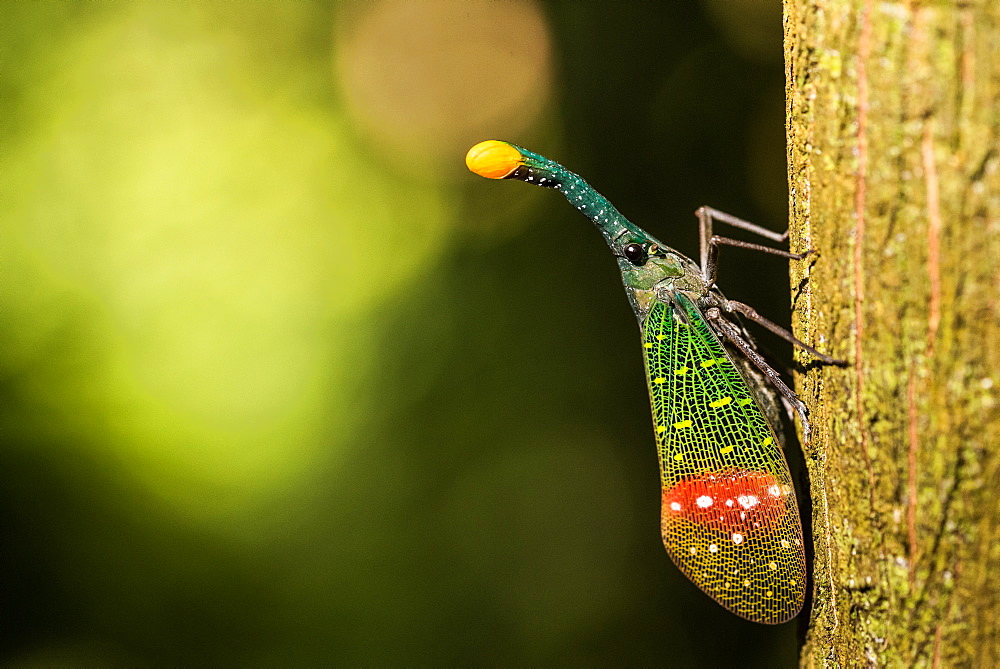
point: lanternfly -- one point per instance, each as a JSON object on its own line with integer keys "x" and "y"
{"x": 729, "y": 518}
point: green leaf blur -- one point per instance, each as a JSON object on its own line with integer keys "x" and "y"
{"x": 284, "y": 385}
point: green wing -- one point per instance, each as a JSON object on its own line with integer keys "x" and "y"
{"x": 729, "y": 520}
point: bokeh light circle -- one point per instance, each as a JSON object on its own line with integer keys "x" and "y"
{"x": 424, "y": 81}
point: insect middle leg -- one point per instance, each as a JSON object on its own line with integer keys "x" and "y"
{"x": 709, "y": 262}
{"x": 710, "y": 243}
{"x": 732, "y": 306}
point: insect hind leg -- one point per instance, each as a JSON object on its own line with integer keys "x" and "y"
{"x": 732, "y": 335}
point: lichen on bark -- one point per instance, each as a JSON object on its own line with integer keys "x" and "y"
{"x": 894, "y": 173}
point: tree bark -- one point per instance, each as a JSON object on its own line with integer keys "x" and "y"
{"x": 894, "y": 175}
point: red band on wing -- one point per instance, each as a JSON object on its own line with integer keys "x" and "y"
{"x": 730, "y": 501}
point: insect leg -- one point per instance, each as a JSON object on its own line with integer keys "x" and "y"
{"x": 751, "y": 313}
{"x": 709, "y": 242}
{"x": 708, "y": 214}
{"x": 732, "y": 334}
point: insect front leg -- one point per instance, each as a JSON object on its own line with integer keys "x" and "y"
{"x": 732, "y": 334}
{"x": 710, "y": 243}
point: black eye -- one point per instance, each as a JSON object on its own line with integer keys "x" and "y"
{"x": 635, "y": 254}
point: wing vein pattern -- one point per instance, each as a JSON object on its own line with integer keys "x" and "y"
{"x": 729, "y": 517}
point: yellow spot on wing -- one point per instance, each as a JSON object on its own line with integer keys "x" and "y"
{"x": 659, "y": 379}
{"x": 684, "y": 423}
{"x": 768, "y": 441}
{"x": 661, "y": 428}
{"x": 682, "y": 370}
{"x": 745, "y": 401}
{"x": 707, "y": 363}
{"x": 679, "y": 457}
{"x": 720, "y": 403}
{"x": 648, "y": 344}
{"x": 727, "y": 449}
{"x": 661, "y": 337}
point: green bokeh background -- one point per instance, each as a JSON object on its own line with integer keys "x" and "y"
{"x": 283, "y": 384}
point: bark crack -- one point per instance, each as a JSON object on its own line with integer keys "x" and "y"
{"x": 864, "y": 52}
{"x": 933, "y": 235}
{"x": 911, "y": 476}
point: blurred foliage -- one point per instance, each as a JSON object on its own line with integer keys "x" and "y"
{"x": 284, "y": 385}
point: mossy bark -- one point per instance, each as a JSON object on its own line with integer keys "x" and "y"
{"x": 894, "y": 173}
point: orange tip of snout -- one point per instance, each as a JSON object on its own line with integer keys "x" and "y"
{"x": 493, "y": 159}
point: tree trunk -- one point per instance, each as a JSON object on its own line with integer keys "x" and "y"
{"x": 894, "y": 174}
